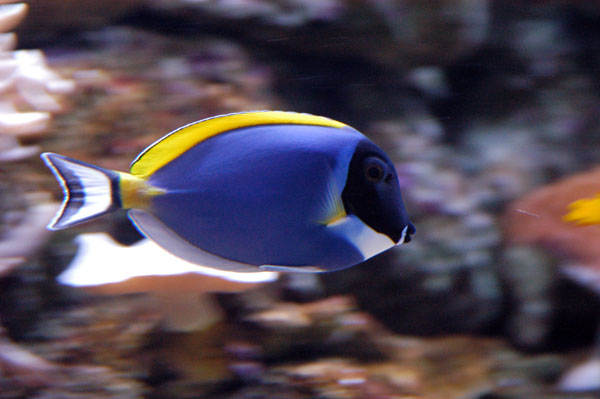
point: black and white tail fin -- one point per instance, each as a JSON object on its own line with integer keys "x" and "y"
{"x": 89, "y": 191}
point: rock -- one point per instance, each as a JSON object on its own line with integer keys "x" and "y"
{"x": 328, "y": 326}
{"x": 531, "y": 275}
{"x": 407, "y": 33}
{"x": 48, "y": 19}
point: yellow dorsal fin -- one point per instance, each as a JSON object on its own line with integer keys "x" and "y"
{"x": 177, "y": 142}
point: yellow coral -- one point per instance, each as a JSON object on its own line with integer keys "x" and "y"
{"x": 584, "y": 211}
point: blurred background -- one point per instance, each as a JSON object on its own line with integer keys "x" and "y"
{"x": 489, "y": 110}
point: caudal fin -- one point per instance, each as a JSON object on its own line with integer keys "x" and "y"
{"x": 89, "y": 191}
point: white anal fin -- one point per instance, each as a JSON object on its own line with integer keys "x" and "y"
{"x": 145, "y": 267}
{"x": 294, "y": 269}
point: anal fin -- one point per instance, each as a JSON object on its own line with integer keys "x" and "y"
{"x": 155, "y": 229}
{"x": 294, "y": 269}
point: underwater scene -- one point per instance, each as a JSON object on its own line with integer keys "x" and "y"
{"x": 329, "y": 199}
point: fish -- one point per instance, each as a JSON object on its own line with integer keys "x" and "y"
{"x": 250, "y": 191}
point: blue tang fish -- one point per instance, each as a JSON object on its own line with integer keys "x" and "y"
{"x": 266, "y": 190}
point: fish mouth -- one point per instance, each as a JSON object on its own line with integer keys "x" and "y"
{"x": 407, "y": 231}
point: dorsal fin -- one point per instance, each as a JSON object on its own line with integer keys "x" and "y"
{"x": 180, "y": 140}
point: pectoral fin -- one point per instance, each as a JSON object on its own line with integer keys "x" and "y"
{"x": 332, "y": 205}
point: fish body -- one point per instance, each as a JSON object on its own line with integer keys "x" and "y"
{"x": 264, "y": 190}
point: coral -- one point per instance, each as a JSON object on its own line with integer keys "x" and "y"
{"x": 29, "y": 93}
{"x": 28, "y": 234}
{"x": 28, "y": 90}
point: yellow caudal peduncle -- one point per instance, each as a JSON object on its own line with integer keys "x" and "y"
{"x": 135, "y": 192}
{"x": 584, "y": 211}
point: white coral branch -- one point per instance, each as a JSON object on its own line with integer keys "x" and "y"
{"x": 36, "y": 83}
{"x": 25, "y": 239}
{"x": 11, "y": 15}
{"x": 26, "y": 78}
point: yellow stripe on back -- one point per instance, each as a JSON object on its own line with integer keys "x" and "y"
{"x": 179, "y": 141}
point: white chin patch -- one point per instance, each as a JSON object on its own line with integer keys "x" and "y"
{"x": 365, "y": 239}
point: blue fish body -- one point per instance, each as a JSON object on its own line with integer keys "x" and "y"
{"x": 280, "y": 196}
{"x": 269, "y": 210}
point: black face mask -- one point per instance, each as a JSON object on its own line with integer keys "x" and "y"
{"x": 372, "y": 193}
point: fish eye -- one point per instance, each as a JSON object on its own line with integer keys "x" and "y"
{"x": 374, "y": 169}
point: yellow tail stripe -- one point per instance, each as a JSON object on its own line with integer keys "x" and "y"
{"x": 177, "y": 142}
{"x": 135, "y": 192}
